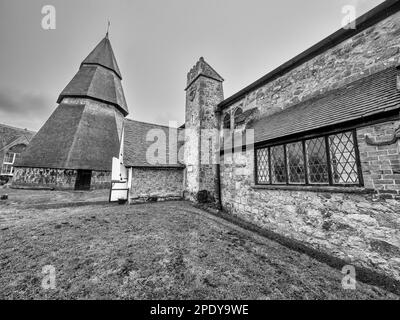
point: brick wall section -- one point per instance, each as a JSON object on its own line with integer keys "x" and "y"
{"x": 161, "y": 184}
{"x": 380, "y": 164}
{"x": 58, "y": 179}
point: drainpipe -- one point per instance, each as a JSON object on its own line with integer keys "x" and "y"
{"x": 218, "y": 156}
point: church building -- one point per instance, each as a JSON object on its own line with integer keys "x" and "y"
{"x": 310, "y": 152}
{"x": 74, "y": 148}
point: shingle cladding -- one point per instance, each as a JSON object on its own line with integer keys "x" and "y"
{"x": 103, "y": 55}
{"x": 371, "y": 95}
{"x": 98, "y": 78}
{"x": 76, "y": 136}
{"x": 136, "y": 145}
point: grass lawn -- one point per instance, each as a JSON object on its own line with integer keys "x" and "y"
{"x": 152, "y": 251}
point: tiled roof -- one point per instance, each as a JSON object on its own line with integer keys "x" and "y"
{"x": 9, "y": 134}
{"x": 74, "y": 137}
{"x": 371, "y": 95}
{"x": 136, "y": 144}
{"x": 98, "y": 78}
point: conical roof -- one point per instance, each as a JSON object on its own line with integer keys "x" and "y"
{"x": 98, "y": 78}
{"x": 103, "y": 55}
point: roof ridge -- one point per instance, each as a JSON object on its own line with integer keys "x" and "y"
{"x": 154, "y": 124}
{"x": 12, "y": 127}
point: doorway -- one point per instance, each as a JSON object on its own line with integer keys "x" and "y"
{"x": 83, "y": 179}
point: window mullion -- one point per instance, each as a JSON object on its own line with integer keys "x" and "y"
{"x": 269, "y": 165}
{"x": 305, "y": 162}
{"x": 328, "y": 160}
{"x": 286, "y": 164}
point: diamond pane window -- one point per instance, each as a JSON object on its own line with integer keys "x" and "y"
{"x": 263, "y": 166}
{"x": 278, "y": 165}
{"x": 317, "y": 163}
{"x": 295, "y": 162}
{"x": 343, "y": 158}
{"x": 328, "y": 160}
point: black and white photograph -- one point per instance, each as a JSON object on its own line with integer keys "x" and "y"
{"x": 199, "y": 158}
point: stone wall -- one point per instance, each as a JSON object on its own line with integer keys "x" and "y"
{"x": 100, "y": 180}
{"x": 156, "y": 184}
{"x": 361, "y": 228}
{"x": 58, "y": 179}
{"x": 203, "y": 94}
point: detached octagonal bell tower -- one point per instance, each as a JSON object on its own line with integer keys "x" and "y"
{"x": 204, "y": 92}
{"x": 75, "y": 147}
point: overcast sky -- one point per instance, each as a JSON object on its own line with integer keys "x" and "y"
{"x": 156, "y": 42}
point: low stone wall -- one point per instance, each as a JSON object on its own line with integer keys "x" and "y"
{"x": 58, "y": 179}
{"x": 156, "y": 184}
{"x": 100, "y": 180}
{"x": 363, "y": 229}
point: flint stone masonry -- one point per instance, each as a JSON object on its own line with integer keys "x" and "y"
{"x": 57, "y": 179}
{"x": 203, "y": 94}
{"x": 156, "y": 184}
{"x": 354, "y": 227}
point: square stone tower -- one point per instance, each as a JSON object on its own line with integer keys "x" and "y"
{"x": 204, "y": 92}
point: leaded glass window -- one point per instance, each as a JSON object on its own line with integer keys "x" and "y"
{"x": 317, "y": 163}
{"x": 295, "y": 162}
{"x": 278, "y": 166}
{"x": 326, "y": 160}
{"x": 343, "y": 158}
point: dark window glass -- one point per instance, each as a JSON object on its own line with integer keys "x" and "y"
{"x": 278, "y": 166}
{"x": 295, "y": 162}
{"x": 227, "y": 122}
{"x": 237, "y": 118}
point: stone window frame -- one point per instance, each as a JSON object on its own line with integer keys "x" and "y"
{"x": 227, "y": 120}
{"x": 269, "y": 181}
{"x": 236, "y": 114}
